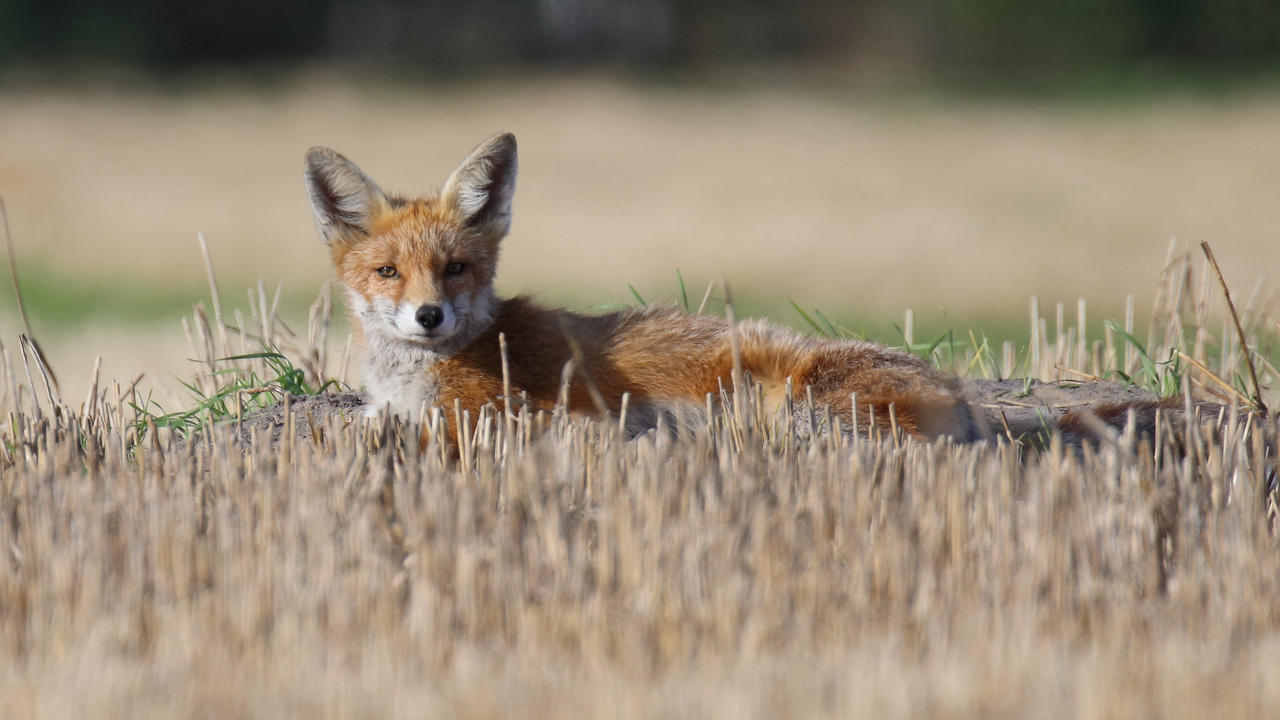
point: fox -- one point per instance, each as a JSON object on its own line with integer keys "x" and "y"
{"x": 418, "y": 274}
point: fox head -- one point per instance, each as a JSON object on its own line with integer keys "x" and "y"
{"x": 417, "y": 271}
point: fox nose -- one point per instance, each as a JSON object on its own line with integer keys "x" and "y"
{"x": 430, "y": 316}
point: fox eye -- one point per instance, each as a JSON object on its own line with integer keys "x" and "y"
{"x": 387, "y": 271}
{"x": 454, "y": 268}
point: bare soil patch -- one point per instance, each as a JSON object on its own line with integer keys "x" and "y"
{"x": 1024, "y": 404}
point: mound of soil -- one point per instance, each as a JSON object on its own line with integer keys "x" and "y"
{"x": 270, "y": 423}
{"x": 1022, "y": 405}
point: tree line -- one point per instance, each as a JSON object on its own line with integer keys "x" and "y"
{"x": 977, "y": 35}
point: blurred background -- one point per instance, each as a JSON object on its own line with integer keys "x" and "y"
{"x": 861, "y": 157}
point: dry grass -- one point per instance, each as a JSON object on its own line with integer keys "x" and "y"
{"x": 556, "y": 570}
{"x": 578, "y": 575}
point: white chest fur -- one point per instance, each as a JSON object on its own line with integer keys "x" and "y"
{"x": 400, "y": 376}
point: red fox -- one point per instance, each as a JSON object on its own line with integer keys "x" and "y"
{"x": 419, "y": 273}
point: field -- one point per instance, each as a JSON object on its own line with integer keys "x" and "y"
{"x": 860, "y": 204}
{"x": 176, "y": 559}
{"x": 161, "y": 565}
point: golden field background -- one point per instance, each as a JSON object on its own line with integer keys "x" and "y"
{"x": 862, "y": 204}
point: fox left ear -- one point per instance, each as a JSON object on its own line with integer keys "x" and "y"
{"x": 480, "y": 190}
{"x": 345, "y": 201}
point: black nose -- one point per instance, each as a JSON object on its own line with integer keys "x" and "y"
{"x": 430, "y": 316}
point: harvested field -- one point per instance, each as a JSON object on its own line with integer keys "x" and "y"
{"x": 156, "y": 566}
{"x": 558, "y": 571}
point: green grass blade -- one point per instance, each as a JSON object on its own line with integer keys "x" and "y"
{"x": 808, "y": 320}
{"x": 264, "y": 355}
{"x": 1129, "y": 338}
{"x": 831, "y": 328}
{"x": 929, "y": 350}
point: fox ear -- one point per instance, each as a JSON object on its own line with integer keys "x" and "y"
{"x": 480, "y": 190}
{"x": 343, "y": 198}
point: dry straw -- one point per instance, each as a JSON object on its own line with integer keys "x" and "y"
{"x": 554, "y": 568}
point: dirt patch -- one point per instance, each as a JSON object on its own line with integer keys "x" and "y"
{"x": 1025, "y": 406}
{"x": 309, "y": 412}
{"x": 1021, "y": 405}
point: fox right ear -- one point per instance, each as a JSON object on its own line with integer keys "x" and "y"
{"x": 344, "y": 199}
{"x": 480, "y": 190}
